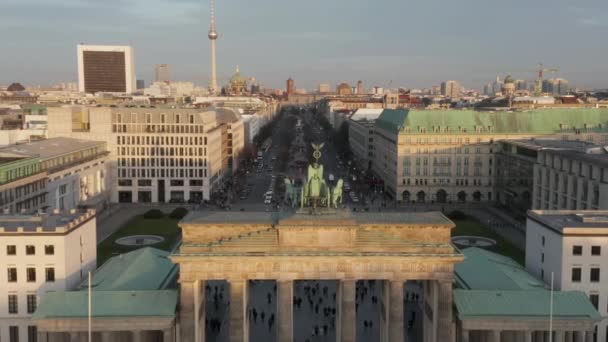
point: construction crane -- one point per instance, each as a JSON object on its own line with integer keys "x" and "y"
{"x": 538, "y": 87}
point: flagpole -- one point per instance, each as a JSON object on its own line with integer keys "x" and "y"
{"x": 89, "y": 315}
{"x": 551, "y": 312}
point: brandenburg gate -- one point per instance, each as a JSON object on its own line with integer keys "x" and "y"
{"x": 310, "y": 244}
{"x": 317, "y": 242}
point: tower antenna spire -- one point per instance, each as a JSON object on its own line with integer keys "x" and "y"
{"x": 214, "y": 89}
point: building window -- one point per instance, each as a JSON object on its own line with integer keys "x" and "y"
{"x": 576, "y": 275}
{"x": 31, "y": 303}
{"x": 543, "y": 241}
{"x": 596, "y": 250}
{"x": 595, "y": 275}
{"x": 12, "y": 274}
{"x": 577, "y": 250}
{"x": 30, "y": 250}
{"x": 49, "y": 249}
{"x": 595, "y": 300}
{"x": 12, "y": 304}
{"x": 11, "y": 250}
{"x": 32, "y": 333}
{"x": 31, "y": 274}
{"x": 13, "y": 333}
{"x": 50, "y": 274}
{"x": 542, "y": 257}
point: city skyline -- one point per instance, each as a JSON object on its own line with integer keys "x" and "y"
{"x": 395, "y": 47}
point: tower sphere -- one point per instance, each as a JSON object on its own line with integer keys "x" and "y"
{"x": 212, "y": 35}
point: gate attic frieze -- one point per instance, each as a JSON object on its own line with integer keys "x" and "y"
{"x": 333, "y": 244}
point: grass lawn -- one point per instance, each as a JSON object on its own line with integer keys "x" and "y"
{"x": 165, "y": 227}
{"x": 471, "y": 227}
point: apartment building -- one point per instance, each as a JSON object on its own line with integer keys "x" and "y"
{"x": 449, "y": 155}
{"x": 572, "y": 246}
{"x": 361, "y": 135}
{"x": 574, "y": 177}
{"x": 158, "y": 154}
{"x": 41, "y": 254}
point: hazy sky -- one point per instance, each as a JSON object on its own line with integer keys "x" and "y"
{"x": 411, "y": 43}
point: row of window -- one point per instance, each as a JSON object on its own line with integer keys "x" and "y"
{"x": 30, "y": 272}
{"x": 160, "y": 140}
{"x": 161, "y": 173}
{"x": 595, "y": 250}
{"x": 162, "y": 151}
{"x": 13, "y": 333}
{"x": 577, "y": 274}
{"x": 30, "y": 250}
{"x": 138, "y": 128}
{"x": 162, "y": 162}
{"x": 13, "y": 304}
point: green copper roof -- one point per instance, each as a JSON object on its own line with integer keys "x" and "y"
{"x": 523, "y": 304}
{"x": 484, "y": 270}
{"x": 162, "y": 303}
{"x": 492, "y": 285}
{"x": 143, "y": 269}
{"x": 132, "y": 284}
{"x": 542, "y": 121}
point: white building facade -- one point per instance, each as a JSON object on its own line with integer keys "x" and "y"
{"x": 572, "y": 245}
{"x": 571, "y": 179}
{"x": 40, "y": 254}
{"x": 158, "y": 154}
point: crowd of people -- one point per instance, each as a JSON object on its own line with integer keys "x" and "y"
{"x": 315, "y": 309}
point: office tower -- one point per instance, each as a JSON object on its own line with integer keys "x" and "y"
{"x": 450, "y": 89}
{"x": 103, "y": 68}
{"x": 162, "y": 73}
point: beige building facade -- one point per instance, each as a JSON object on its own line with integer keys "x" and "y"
{"x": 158, "y": 154}
{"x": 445, "y": 156}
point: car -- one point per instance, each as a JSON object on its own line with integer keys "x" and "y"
{"x": 267, "y": 201}
{"x": 243, "y": 198}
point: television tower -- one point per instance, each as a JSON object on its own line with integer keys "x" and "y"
{"x": 214, "y": 88}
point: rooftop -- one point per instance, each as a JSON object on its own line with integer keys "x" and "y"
{"x": 542, "y": 121}
{"x": 533, "y": 304}
{"x": 61, "y": 222}
{"x": 133, "y": 284}
{"x": 142, "y": 269}
{"x": 491, "y": 285}
{"x": 74, "y": 304}
{"x": 272, "y": 218}
{"x": 50, "y": 148}
{"x": 543, "y": 144}
{"x": 566, "y": 222}
{"x": 484, "y": 270}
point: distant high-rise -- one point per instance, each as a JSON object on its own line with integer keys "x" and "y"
{"x": 360, "y": 87}
{"x": 162, "y": 73}
{"x": 106, "y": 69}
{"x": 141, "y": 84}
{"x": 290, "y": 86}
{"x": 450, "y": 89}
{"x": 324, "y": 88}
{"x": 555, "y": 86}
{"x": 215, "y": 89}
